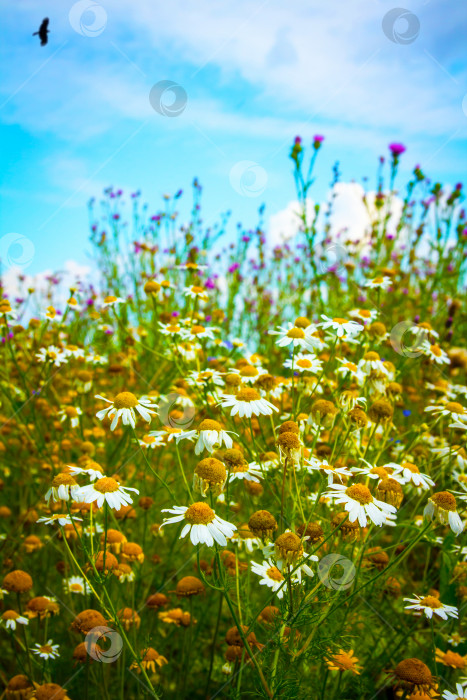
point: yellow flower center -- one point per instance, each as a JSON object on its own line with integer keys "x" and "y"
{"x": 340, "y": 321}
{"x": 454, "y": 407}
{"x": 125, "y": 400}
{"x": 199, "y": 514}
{"x": 295, "y": 333}
{"x": 430, "y": 601}
{"x": 360, "y": 493}
{"x": 110, "y": 300}
{"x": 304, "y": 363}
{"x": 274, "y": 574}
{"x": 248, "y": 395}
{"x": 106, "y": 485}
{"x": 63, "y": 479}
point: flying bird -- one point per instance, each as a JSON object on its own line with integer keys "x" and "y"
{"x": 43, "y": 31}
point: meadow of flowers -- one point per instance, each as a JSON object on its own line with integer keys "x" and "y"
{"x": 233, "y": 470}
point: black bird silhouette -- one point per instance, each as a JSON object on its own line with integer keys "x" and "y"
{"x": 43, "y": 31}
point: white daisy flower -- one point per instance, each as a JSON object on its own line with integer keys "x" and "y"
{"x": 430, "y": 605}
{"x": 364, "y": 315}
{"x": 150, "y": 442}
{"x": 360, "y": 504}
{"x": 342, "y": 326}
{"x": 351, "y": 368}
{"x": 172, "y": 328}
{"x": 105, "y": 490}
{"x": 46, "y": 651}
{"x": 76, "y": 585}
{"x": 270, "y": 576}
{"x": 435, "y": 353}
{"x": 411, "y": 474}
{"x": 198, "y": 332}
{"x": 202, "y": 523}
{"x": 247, "y": 402}
{"x": 383, "y": 282}
{"x": 304, "y": 363}
{"x": 123, "y": 406}
{"x": 112, "y": 301}
{"x": 196, "y": 292}
{"x": 52, "y": 354}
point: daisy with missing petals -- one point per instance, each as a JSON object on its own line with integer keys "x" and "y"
{"x": 70, "y": 413}
{"x": 60, "y": 518}
{"x": 202, "y": 523}
{"x": 443, "y": 505}
{"x": 10, "y": 618}
{"x": 63, "y": 488}
{"x": 339, "y": 474}
{"x": 454, "y": 453}
{"x": 46, "y": 651}
{"x": 341, "y": 326}
{"x": 247, "y": 402}
{"x": 210, "y": 433}
{"x": 245, "y": 471}
{"x": 360, "y": 504}
{"x": 105, "y": 490}
{"x": 304, "y": 363}
{"x": 430, "y": 605}
{"x": 270, "y": 576}
{"x": 94, "y": 472}
{"x": 123, "y": 406}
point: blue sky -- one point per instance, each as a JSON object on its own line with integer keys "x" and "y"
{"x": 75, "y": 115}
